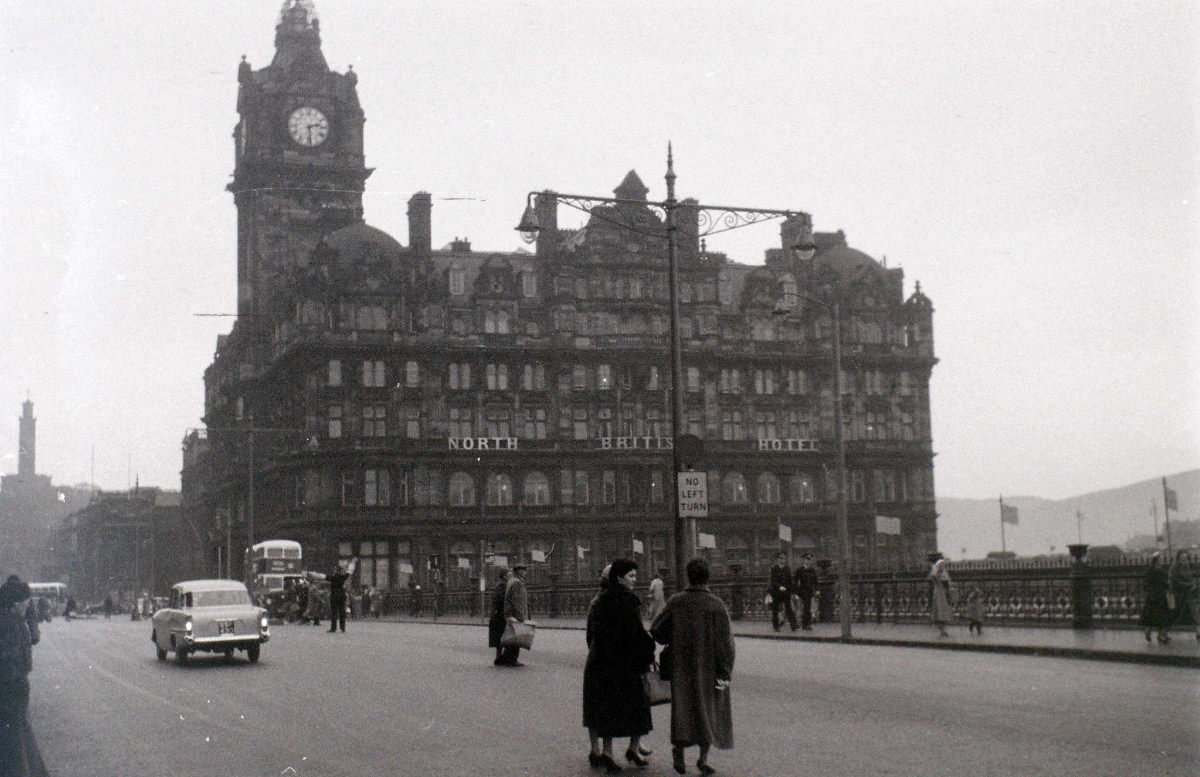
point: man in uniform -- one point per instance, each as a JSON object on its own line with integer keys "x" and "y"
{"x": 337, "y": 598}
{"x": 805, "y": 588}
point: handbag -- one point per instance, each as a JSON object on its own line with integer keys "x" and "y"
{"x": 658, "y": 690}
{"x": 518, "y": 634}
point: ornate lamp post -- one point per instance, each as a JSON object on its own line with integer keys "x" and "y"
{"x": 710, "y": 219}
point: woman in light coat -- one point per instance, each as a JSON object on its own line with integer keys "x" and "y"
{"x": 939, "y": 599}
{"x": 695, "y": 624}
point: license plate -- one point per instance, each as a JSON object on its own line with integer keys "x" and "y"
{"x": 225, "y": 627}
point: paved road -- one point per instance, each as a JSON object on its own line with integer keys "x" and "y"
{"x": 419, "y": 699}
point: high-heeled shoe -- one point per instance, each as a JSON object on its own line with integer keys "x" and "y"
{"x": 704, "y": 767}
{"x": 677, "y": 760}
{"x": 610, "y": 766}
{"x": 594, "y": 760}
{"x": 644, "y": 751}
{"x": 635, "y": 758}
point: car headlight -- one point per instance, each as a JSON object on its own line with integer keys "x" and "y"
{"x": 262, "y": 621}
{"x": 187, "y": 625}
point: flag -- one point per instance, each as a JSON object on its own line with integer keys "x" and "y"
{"x": 887, "y": 525}
{"x": 707, "y": 540}
{"x": 1008, "y": 514}
{"x": 1170, "y": 500}
{"x": 785, "y": 532}
{"x": 638, "y": 547}
{"x": 538, "y": 555}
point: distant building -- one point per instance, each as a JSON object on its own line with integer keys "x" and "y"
{"x": 132, "y": 541}
{"x": 31, "y": 509}
{"x": 431, "y": 411}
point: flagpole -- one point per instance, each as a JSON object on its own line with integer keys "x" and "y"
{"x": 1003, "y": 546}
{"x": 1154, "y": 514}
{"x": 1167, "y": 517}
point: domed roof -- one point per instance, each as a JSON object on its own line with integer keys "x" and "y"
{"x": 362, "y": 241}
{"x": 849, "y": 263}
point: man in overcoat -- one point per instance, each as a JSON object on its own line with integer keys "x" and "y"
{"x": 496, "y": 619}
{"x": 781, "y": 591}
{"x": 516, "y": 607}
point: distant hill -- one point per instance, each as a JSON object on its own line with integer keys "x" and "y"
{"x": 1111, "y": 517}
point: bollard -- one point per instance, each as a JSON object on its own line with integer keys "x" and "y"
{"x": 1081, "y": 588}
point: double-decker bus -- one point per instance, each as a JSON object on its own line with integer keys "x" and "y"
{"x": 270, "y": 564}
{"x": 55, "y": 591}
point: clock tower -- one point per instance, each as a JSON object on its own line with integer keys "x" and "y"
{"x": 299, "y": 167}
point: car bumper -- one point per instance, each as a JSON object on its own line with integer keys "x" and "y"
{"x": 231, "y": 640}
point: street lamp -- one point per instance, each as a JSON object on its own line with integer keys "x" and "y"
{"x": 710, "y": 219}
{"x": 834, "y": 306}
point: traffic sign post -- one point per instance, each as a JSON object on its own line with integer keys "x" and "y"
{"x": 693, "y": 494}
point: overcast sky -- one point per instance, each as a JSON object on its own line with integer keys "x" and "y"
{"x": 1032, "y": 164}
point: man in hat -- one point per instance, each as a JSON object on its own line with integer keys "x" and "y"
{"x": 516, "y": 608}
{"x": 805, "y": 588}
{"x": 780, "y": 591}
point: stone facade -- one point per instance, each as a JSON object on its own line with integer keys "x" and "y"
{"x": 431, "y": 411}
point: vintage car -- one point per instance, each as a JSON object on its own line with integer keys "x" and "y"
{"x": 212, "y": 615}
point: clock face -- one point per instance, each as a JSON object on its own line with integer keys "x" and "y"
{"x": 308, "y": 126}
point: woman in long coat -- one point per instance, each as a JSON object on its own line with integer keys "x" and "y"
{"x": 1156, "y": 612}
{"x": 1183, "y": 586}
{"x": 939, "y": 598}
{"x": 619, "y": 652}
{"x": 19, "y": 753}
{"x": 695, "y": 624}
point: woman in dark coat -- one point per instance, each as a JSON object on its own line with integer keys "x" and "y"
{"x": 496, "y": 620}
{"x": 695, "y": 624}
{"x": 1156, "y": 613}
{"x": 619, "y": 652}
{"x": 19, "y": 753}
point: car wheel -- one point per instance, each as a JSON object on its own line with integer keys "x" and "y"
{"x": 252, "y": 652}
{"x": 181, "y": 656}
{"x": 228, "y": 654}
{"x": 160, "y": 651}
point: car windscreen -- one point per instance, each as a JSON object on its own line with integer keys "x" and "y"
{"x": 220, "y": 598}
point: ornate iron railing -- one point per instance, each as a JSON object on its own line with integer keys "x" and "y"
{"x": 1045, "y": 592}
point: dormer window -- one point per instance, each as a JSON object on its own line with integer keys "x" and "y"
{"x": 458, "y": 280}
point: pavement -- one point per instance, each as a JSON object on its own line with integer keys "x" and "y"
{"x": 1097, "y": 644}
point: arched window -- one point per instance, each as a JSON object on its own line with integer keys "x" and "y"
{"x": 801, "y": 487}
{"x": 462, "y": 490}
{"x": 733, "y": 489}
{"x": 768, "y": 489}
{"x": 536, "y": 490}
{"x": 499, "y": 490}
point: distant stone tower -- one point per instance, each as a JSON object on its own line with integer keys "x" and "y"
{"x": 26, "y": 458}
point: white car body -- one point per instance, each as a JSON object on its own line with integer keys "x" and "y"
{"x": 212, "y": 615}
